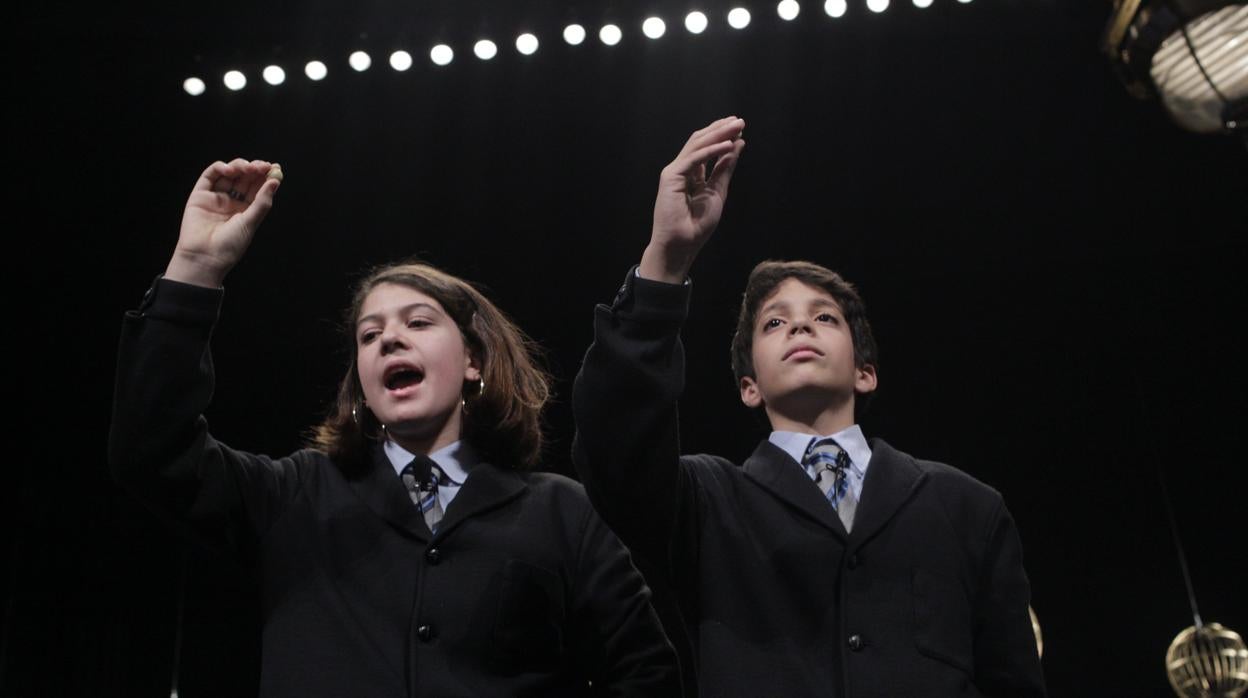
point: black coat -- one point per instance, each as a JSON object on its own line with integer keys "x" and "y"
{"x": 926, "y": 597}
{"x": 523, "y": 591}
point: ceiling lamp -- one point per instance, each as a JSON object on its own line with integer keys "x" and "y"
{"x": 1192, "y": 54}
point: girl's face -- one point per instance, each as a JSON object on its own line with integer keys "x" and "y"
{"x": 412, "y": 364}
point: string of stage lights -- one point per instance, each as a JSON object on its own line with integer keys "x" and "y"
{"x": 527, "y": 43}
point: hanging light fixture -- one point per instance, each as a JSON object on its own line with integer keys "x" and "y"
{"x": 1208, "y": 661}
{"x": 1035, "y": 629}
{"x": 1191, "y": 54}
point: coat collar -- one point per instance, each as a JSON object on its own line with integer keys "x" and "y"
{"x": 382, "y": 490}
{"x": 891, "y": 480}
{"x": 777, "y": 472}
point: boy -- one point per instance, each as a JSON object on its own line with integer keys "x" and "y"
{"x": 825, "y": 565}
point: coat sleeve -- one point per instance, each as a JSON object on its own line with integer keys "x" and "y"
{"x": 627, "y": 446}
{"x": 159, "y": 445}
{"x": 1007, "y": 663}
{"x": 618, "y": 633}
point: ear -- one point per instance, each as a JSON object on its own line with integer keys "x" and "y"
{"x": 750, "y": 393}
{"x": 865, "y": 380}
{"x": 472, "y": 368}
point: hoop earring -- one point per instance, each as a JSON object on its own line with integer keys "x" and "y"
{"x": 356, "y": 412}
{"x": 463, "y": 399}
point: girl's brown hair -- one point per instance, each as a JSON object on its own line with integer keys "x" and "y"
{"x": 503, "y": 421}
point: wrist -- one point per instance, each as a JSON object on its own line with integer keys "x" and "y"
{"x": 195, "y": 269}
{"x": 664, "y": 263}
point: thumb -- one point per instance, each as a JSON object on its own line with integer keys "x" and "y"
{"x": 260, "y": 205}
{"x": 721, "y": 175}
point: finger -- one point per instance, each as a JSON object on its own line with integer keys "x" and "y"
{"x": 259, "y": 168}
{"x": 214, "y": 172}
{"x": 251, "y": 176}
{"x": 260, "y": 205}
{"x": 711, "y": 126}
{"x": 231, "y": 182}
{"x": 721, "y": 174}
{"x": 687, "y": 163}
{"x": 724, "y": 129}
{"x": 250, "y": 182}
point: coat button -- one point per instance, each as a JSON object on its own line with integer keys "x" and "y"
{"x": 433, "y": 556}
{"x": 426, "y": 633}
{"x": 856, "y": 643}
{"x": 853, "y": 562}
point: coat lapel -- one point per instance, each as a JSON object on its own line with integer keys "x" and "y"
{"x": 775, "y": 471}
{"x": 892, "y": 478}
{"x": 383, "y": 492}
{"x": 487, "y": 487}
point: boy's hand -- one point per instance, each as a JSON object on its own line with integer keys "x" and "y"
{"x": 690, "y": 201}
{"x": 222, "y": 214}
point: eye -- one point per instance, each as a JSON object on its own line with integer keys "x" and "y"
{"x": 828, "y": 317}
{"x": 418, "y": 322}
{"x": 771, "y": 324}
{"x": 369, "y": 335}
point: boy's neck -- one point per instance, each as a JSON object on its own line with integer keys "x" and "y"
{"x": 820, "y": 423}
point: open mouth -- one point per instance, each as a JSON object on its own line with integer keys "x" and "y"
{"x": 403, "y": 377}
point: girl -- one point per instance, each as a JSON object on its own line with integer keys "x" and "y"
{"x": 406, "y": 553}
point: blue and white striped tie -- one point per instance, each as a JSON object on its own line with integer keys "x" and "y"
{"x": 422, "y": 477}
{"x": 828, "y": 464}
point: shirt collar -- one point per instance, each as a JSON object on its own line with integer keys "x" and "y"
{"x": 455, "y": 460}
{"x": 851, "y": 439}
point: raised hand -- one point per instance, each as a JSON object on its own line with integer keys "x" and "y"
{"x": 691, "y": 200}
{"x": 222, "y": 215}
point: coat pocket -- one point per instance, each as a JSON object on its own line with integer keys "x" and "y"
{"x": 942, "y": 620}
{"x": 531, "y": 612}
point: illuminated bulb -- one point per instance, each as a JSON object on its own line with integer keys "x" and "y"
{"x": 441, "y": 54}
{"x": 610, "y": 35}
{"x": 526, "y": 44}
{"x": 235, "y": 80}
{"x": 574, "y": 34}
{"x": 315, "y": 70}
{"x": 653, "y": 27}
{"x": 360, "y": 61}
{"x": 485, "y": 49}
{"x": 274, "y": 75}
{"x": 400, "y": 60}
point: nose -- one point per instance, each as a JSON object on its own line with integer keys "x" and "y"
{"x": 800, "y": 326}
{"x": 391, "y": 340}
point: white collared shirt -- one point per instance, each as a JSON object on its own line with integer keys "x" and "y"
{"x": 851, "y": 440}
{"x": 455, "y": 460}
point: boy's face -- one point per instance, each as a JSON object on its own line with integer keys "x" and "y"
{"x": 803, "y": 354}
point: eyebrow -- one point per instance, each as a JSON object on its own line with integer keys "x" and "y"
{"x": 377, "y": 317}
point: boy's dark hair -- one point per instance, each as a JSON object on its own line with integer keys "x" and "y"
{"x": 503, "y": 421}
{"x": 768, "y": 276}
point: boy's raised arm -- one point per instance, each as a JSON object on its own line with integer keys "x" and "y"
{"x": 627, "y": 446}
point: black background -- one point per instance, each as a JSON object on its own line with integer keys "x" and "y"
{"x": 1053, "y": 269}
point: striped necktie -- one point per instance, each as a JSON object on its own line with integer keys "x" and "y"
{"x": 828, "y": 464}
{"x": 422, "y": 477}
